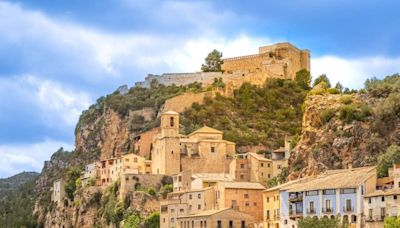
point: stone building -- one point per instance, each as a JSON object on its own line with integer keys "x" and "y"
{"x": 185, "y": 181}
{"x": 58, "y": 192}
{"x": 204, "y": 150}
{"x": 184, "y": 203}
{"x": 385, "y": 201}
{"x": 251, "y": 167}
{"x": 246, "y": 197}
{"x": 91, "y": 172}
{"x": 221, "y": 218}
{"x": 142, "y": 142}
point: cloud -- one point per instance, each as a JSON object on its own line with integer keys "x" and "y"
{"x": 18, "y": 158}
{"x": 352, "y": 72}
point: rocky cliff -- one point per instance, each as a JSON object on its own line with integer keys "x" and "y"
{"x": 342, "y": 130}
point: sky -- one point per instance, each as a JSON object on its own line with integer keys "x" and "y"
{"x": 57, "y": 57}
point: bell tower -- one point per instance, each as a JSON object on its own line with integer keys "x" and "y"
{"x": 170, "y": 124}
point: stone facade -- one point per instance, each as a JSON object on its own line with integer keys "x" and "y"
{"x": 130, "y": 182}
{"x": 201, "y": 151}
{"x": 142, "y": 142}
{"x": 58, "y": 193}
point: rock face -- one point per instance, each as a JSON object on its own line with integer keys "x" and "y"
{"x": 336, "y": 143}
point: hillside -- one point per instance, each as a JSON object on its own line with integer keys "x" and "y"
{"x": 13, "y": 182}
{"x": 342, "y": 130}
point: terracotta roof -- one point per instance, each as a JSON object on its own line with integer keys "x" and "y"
{"x": 258, "y": 157}
{"x": 384, "y": 180}
{"x": 213, "y": 176}
{"x": 187, "y": 191}
{"x": 387, "y": 192}
{"x": 242, "y": 185}
{"x": 206, "y": 213}
{"x": 170, "y": 112}
{"x": 287, "y": 184}
{"x": 334, "y": 179}
{"x": 206, "y": 129}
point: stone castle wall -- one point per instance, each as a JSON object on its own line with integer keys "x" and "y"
{"x": 206, "y": 78}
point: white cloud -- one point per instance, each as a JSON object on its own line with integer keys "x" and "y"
{"x": 354, "y": 71}
{"x": 29, "y": 157}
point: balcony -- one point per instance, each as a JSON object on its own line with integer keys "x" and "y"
{"x": 295, "y": 213}
{"x": 327, "y": 210}
{"x": 311, "y": 211}
{"x": 295, "y": 197}
{"x": 348, "y": 209}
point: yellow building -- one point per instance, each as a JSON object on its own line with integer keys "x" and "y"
{"x": 204, "y": 150}
{"x": 187, "y": 181}
{"x": 251, "y": 167}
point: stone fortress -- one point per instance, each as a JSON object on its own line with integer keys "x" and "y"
{"x": 281, "y": 60}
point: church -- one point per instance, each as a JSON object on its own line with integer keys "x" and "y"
{"x": 202, "y": 151}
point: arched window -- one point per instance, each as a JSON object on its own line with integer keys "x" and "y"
{"x": 171, "y": 121}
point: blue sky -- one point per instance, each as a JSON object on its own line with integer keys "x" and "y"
{"x": 57, "y": 57}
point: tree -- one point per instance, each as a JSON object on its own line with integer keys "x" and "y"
{"x": 322, "y": 78}
{"x": 339, "y": 87}
{"x": 392, "y": 222}
{"x": 387, "y": 159}
{"x": 315, "y": 222}
{"x": 303, "y": 79}
{"x": 153, "y": 221}
{"x": 213, "y": 62}
{"x": 133, "y": 221}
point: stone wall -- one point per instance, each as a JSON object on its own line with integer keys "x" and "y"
{"x": 181, "y": 102}
{"x": 130, "y": 181}
{"x": 206, "y": 78}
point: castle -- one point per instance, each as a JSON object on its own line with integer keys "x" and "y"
{"x": 281, "y": 60}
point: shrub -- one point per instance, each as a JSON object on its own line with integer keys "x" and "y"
{"x": 132, "y": 220}
{"x": 152, "y": 221}
{"x": 392, "y": 222}
{"x": 315, "y": 222}
{"x": 151, "y": 191}
{"x": 387, "y": 159}
{"x": 348, "y": 113}
{"x": 327, "y": 115}
{"x": 322, "y": 79}
{"x": 346, "y": 99}
{"x": 333, "y": 91}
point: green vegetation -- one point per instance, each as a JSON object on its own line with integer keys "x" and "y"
{"x": 303, "y": 79}
{"x": 279, "y": 179}
{"x": 392, "y": 222}
{"x": 346, "y": 99}
{"x": 213, "y": 62}
{"x": 218, "y": 83}
{"x": 152, "y": 221}
{"x": 322, "y": 78}
{"x": 387, "y": 159}
{"x": 383, "y": 88}
{"x": 327, "y": 115}
{"x": 315, "y": 222}
{"x": 73, "y": 181}
{"x": 16, "y": 207}
{"x": 351, "y": 112}
{"x": 254, "y": 115}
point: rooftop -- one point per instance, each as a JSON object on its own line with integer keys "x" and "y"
{"x": 242, "y": 185}
{"x": 258, "y": 157}
{"x": 335, "y": 179}
{"x": 206, "y": 213}
{"x": 213, "y": 176}
{"x": 206, "y": 129}
{"x": 387, "y": 192}
{"x": 170, "y": 112}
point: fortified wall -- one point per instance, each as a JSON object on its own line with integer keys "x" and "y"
{"x": 281, "y": 60}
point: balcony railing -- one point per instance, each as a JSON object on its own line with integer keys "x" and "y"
{"x": 327, "y": 210}
{"x": 295, "y": 197}
{"x": 377, "y": 218}
{"x": 348, "y": 209}
{"x": 310, "y": 210}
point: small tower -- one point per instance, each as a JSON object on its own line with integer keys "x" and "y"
{"x": 170, "y": 124}
{"x": 166, "y": 151}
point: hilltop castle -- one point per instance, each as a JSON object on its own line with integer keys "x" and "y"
{"x": 281, "y": 60}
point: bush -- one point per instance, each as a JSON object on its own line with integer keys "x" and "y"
{"x": 346, "y": 99}
{"x": 348, "y": 113}
{"x": 322, "y": 79}
{"x": 315, "y": 222}
{"x": 333, "y": 91}
{"x": 151, "y": 191}
{"x": 152, "y": 221}
{"x": 392, "y": 222}
{"x": 387, "y": 159}
{"x": 132, "y": 220}
{"x": 327, "y": 115}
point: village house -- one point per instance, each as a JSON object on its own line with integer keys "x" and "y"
{"x": 221, "y": 218}
{"x": 251, "y": 167}
{"x": 334, "y": 193}
{"x": 184, "y": 181}
{"x": 385, "y": 201}
{"x": 184, "y": 203}
{"x": 204, "y": 150}
{"x": 245, "y": 197}
{"x": 58, "y": 192}
{"x": 91, "y": 173}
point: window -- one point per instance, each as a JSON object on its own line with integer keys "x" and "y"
{"x": 262, "y": 164}
{"x": 180, "y": 178}
{"x": 241, "y": 176}
{"x": 190, "y": 207}
{"x": 242, "y": 166}
{"x": 135, "y": 160}
{"x": 243, "y": 224}
{"x": 201, "y": 224}
{"x": 199, "y": 196}
{"x": 171, "y": 121}
{"x": 269, "y": 165}
{"x": 348, "y": 205}
{"x": 246, "y": 196}
{"x": 267, "y": 215}
{"x": 395, "y": 197}
{"x": 255, "y": 204}
{"x": 328, "y": 206}
{"x": 369, "y": 200}
{"x": 348, "y": 190}
{"x": 329, "y": 192}
{"x": 247, "y": 204}
{"x": 190, "y": 196}
{"x": 312, "y": 207}
{"x": 370, "y": 214}
{"x": 193, "y": 224}
{"x": 312, "y": 193}
{"x": 219, "y": 224}
{"x": 383, "y": 212}
{"x": 285, "y": 221}
{"x": 231, "y": 224}
{"x": 269, "y": 175}
{"x": 267, "y": 199}
{"x": 181, "y": 210}
{"x": 205, "y": 224}
{"x": 383, "y": 199}
{"x": 212, "y": 149}
{"x": 262, "y": 174}
{"x": 199, "y": 206}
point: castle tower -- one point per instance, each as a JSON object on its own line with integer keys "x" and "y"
{"x": 166, "y": 150}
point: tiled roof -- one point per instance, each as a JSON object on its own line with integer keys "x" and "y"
{"x": 213, "y": 176}
{"x": 335, "y": 179}
{"x": 206, "y": 129}
{"x": 170, "y": 112}
{"x": 206, "y": 213}
{"x": 258, "y": 157}
{"x": 387, "y": 192}
{"x": 242, "y": 185}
